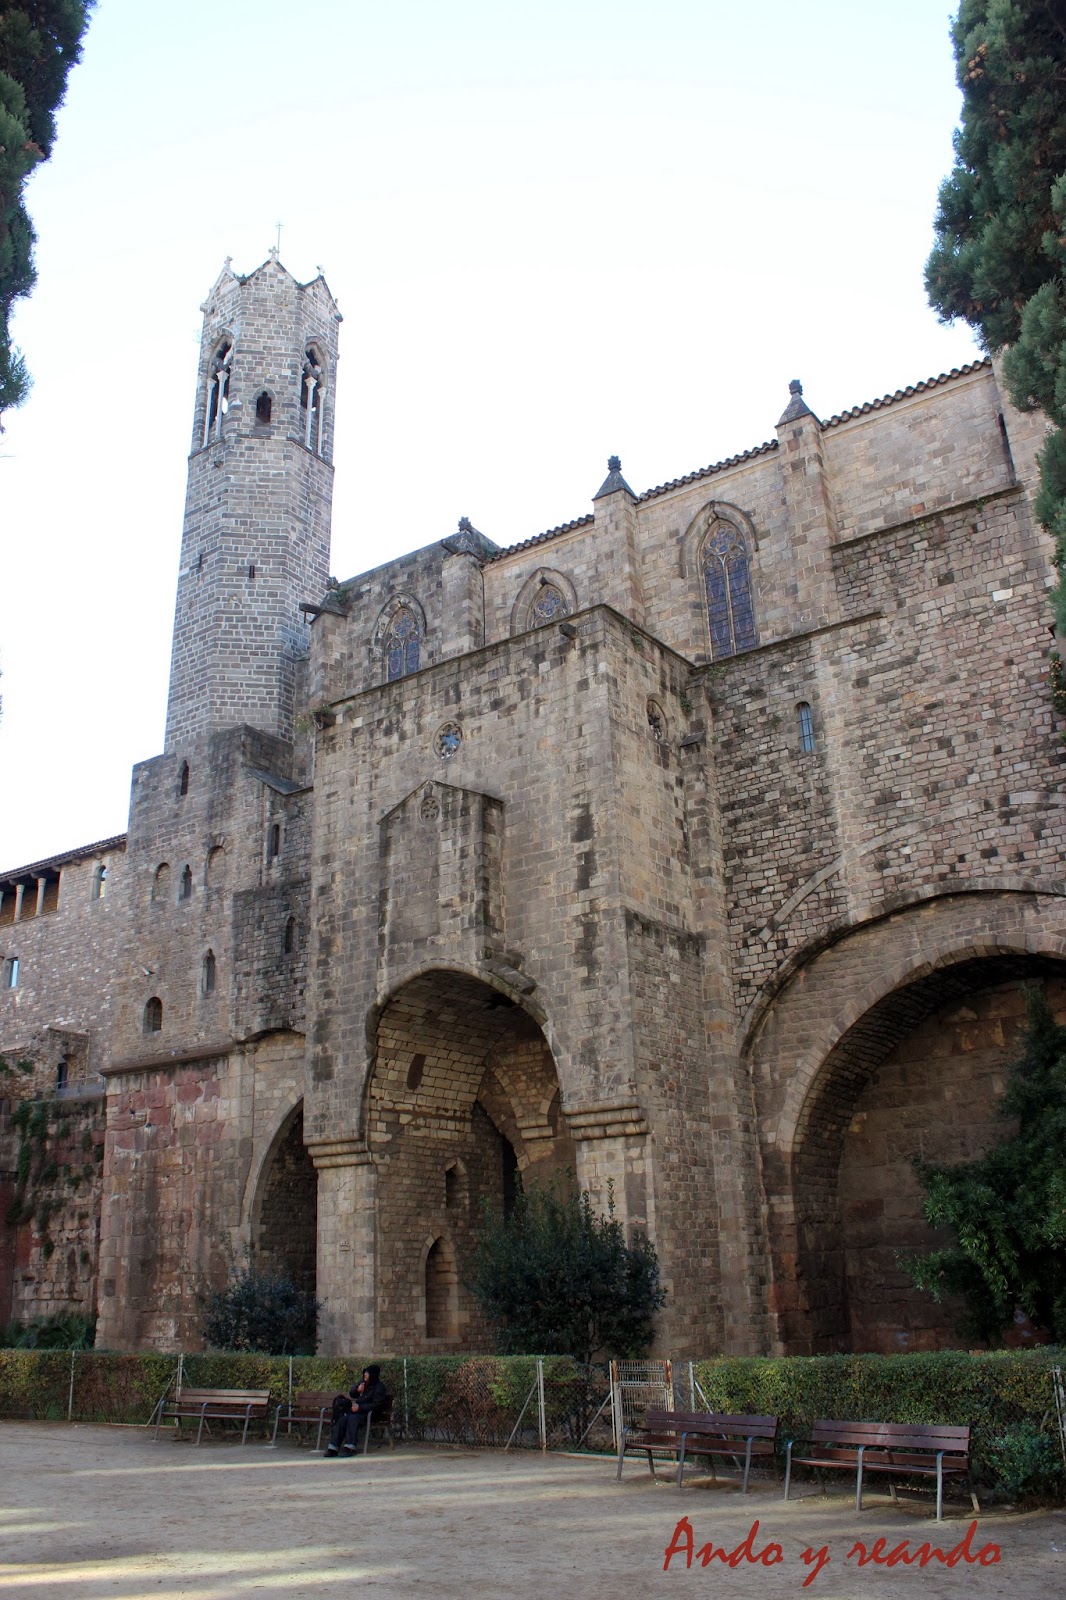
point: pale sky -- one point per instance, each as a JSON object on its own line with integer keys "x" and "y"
{"x": 555, "y": 231}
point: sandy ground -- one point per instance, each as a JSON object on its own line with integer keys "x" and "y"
{"x": 105, "y": 1512}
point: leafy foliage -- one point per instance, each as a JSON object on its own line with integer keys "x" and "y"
{"x": 556, "y": 1279}
{"x": 69, "y": 1330}
{"x": 1008, "y": 1209}
{"x": 40, "y": 40}
{"x": 1005, "y": 1398}
{"x": 1001, "y": 222}
{"x": 262, "y": 1313}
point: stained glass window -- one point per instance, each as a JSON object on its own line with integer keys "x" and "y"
{"x": 548, "y": 605}
{"x": 728, "y": 583}
{"x": 402, "y": 645}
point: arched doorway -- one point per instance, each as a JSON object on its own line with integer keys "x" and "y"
{"x": 917, "y": 1077}
{"x": 285, "y": 1220}
{"x": 463, "y": 1100}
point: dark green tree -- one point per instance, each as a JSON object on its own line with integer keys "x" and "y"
{"x": 1001, "y": 221}
{"x": 554, "y": 1278}
{"x": 1007, "y": 1210}
{"x": 40, "y": 40}
{"x": 263, "y": 1312}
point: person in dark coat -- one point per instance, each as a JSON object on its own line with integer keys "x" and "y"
{"x": 351, "y": 1415}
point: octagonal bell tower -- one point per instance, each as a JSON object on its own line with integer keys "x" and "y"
{"x": 257, "y": 509}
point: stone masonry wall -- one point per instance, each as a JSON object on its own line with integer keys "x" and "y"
{"x": 186, "y": 1148}
{"x": 936, "y": 761}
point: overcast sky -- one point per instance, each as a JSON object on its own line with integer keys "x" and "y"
{"x": 555, "y": 231}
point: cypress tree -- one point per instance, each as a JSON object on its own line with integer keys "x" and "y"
{"x": 1001, "y": 221}
{"x": 40, "y": 40}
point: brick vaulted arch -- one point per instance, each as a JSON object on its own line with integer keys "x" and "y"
{"x": 815, "y": 1058}
{"x": 462, "y": 1099}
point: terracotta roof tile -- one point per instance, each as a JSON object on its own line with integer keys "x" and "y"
{"x": 708, "y": 472}
{"x": 543, "y": 538}
{"x": 905, "y": 394}
{"x": 757, "y": 450}
{"x": 64, "y": 856}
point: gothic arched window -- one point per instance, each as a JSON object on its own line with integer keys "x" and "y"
{"x": 402, "y": 643}
{"x": 313, "y": 399}
{"x": 727, "y": 581}
{"x": 217, "y": 401}
{"x": 548, "y": 604}
{"x": 207, "y": 977}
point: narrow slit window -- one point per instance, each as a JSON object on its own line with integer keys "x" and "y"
{"x": 805, "y": 723}
{"x": 183, "y": 779}
{"x": 185, "y": 888}
{"x": 290, "y": 936}
{"x": 62, "y": 1074}
{"x": 208, "y": 976}
{"x": 274, "y": 841}
{"x": 263, "y": 408}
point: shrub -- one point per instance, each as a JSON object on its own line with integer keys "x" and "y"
{"x": 556, "y": 1279}
{"x": 261, "y": 1312}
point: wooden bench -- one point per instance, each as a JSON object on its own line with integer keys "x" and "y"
{"x": 901, "y": 1449}
{"x": 307, "y": 1407}
{"x": 701, "y": 1433}
{"x": 315, "y": 1406}
{"x": 214, "y": 1405}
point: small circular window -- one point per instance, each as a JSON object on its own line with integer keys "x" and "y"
{"x": 447, "y": 739}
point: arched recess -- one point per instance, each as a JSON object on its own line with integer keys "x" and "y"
{"x": 545, "y": 579}
{"x": 887, "y": 1046}
{"x": 285, "y": 1208}
{"x": 441, "y": 1281}
{"x": 463, "y": 1082}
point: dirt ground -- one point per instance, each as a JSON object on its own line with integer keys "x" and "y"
{"x": 97, "y": 1512}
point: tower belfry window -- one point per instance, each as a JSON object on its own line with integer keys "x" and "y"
{"x": 217, "y": 398}
{"x": 313, "y": 400}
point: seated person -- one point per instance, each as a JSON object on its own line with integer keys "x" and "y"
{"x": 352, "y": 1415}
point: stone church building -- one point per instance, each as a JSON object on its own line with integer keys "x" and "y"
{"x": 702, "y": 845}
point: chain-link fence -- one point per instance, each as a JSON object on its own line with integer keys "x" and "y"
{"x": 1008, "y": 1399}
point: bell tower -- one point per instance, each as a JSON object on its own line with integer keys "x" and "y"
{"x": 257, "y": 508}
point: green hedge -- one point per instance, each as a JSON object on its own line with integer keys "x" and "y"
{"x": 474, "y": 1400}
{"x": 1005, "y": 1397}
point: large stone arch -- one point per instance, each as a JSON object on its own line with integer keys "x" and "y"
{"x": 832, "y": 1050}
{"x": 463, "y": 1081}
{"x": 284, "y": 1210}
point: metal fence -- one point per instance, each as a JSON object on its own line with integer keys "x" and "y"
{"x": 1014, "y": 1403}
